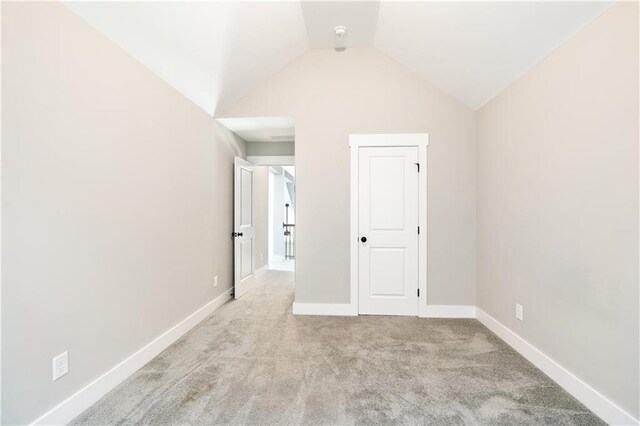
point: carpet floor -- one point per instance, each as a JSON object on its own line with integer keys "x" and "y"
{"x": 253, "y": 362}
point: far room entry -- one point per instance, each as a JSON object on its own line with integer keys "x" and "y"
{"x": 388, "y": 221}
{"x": 264, "y": 199}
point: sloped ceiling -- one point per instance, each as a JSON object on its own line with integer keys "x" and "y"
{"x": 212, "y": 52}
{"x": 215, "y": 52}
{"x": 473, "y": 50}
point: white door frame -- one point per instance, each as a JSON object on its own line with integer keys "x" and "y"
{"x": 420, "y": 140}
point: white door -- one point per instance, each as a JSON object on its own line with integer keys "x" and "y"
{"x": 243, "y": 259}
{"x": 388, "y": 230}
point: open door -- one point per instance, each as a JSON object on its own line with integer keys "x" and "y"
{"x": 243, "y": 223}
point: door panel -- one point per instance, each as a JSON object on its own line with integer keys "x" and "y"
{"x": 246, "y": 210}
{"x": 386, "y": 188}
{"x": 244, "y": 252}
{"x": 388, "y": 219}
{"x": 387, "y": 272}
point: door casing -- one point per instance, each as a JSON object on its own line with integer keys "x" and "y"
{"x": 421, "y": 141}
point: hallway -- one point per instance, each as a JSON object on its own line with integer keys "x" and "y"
{"x": 253, "y": 362}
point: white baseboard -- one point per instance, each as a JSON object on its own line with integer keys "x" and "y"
{"x": 591, "y": 398}
{"x": 91, "y": 393}
{"x": 261, "y": 270}
{"x": 449, "y": 311}
{"x": 247, "y": 284}
{"x": 276, "y": 258}
{"x": 73, "y": 406}
{"x": 345, "y": 309}
{"x": 336, "y": 309}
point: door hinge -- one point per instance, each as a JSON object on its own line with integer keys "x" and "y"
{"x": 418, "y": 230}
{"x": 418, "y": 164}
{"x": 418, "y": 292}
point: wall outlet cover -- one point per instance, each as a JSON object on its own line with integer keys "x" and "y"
{"x": 519, "y": 312}
{"x": 215, "y": 281}
{"x": 60, "y": 365}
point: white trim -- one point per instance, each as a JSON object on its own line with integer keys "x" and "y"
{"x": 390, "y": 139}
{"x": 249, "y": 283}
{"x": 1, "y": 231}
{"x": 591, "y": 398}
{"x": 74, "y": 405}
{"x": 337, "y": 309}
{"x": 272, "y": 160}
{"x": 421, "y": 140}
{"x": 261, "y": 270}
{"x": 353, "y": 234}
{"x": 277, "y": 258}
{"x": 448, "y": 311}
{"x": 346, "y": 309}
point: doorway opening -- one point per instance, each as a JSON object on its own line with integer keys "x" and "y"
{"x": 264, "y": 235}
{"x": 282, "y": 218}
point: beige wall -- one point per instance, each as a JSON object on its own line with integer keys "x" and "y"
{"x": 117, "y": 197}
{"x": 558, "y": 205}
{"x": 331, "y": 95}
{"x": 270, "y": 148}
{"x": 117, "y": 206}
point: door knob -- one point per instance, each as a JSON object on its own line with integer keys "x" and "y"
{"x": 239, "y": 234}
{"x": 363, "y": 239}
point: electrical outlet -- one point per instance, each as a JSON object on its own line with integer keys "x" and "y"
{"x": 60, "y": 365}
{"x": 215, "y": 281}
{"x": 519, "y": 313}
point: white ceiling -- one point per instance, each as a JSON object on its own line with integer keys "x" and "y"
{"x": 321, "y": 18}
{"x": 212, "y": 52}
{"x": 215, "y": 52}
{"x": 473, "y": 50}
{"x": 261, "y": 129}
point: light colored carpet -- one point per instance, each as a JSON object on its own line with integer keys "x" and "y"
{"x": 253, "y": 362}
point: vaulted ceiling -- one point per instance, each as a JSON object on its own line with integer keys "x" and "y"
{"x": 215, "y": 52}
